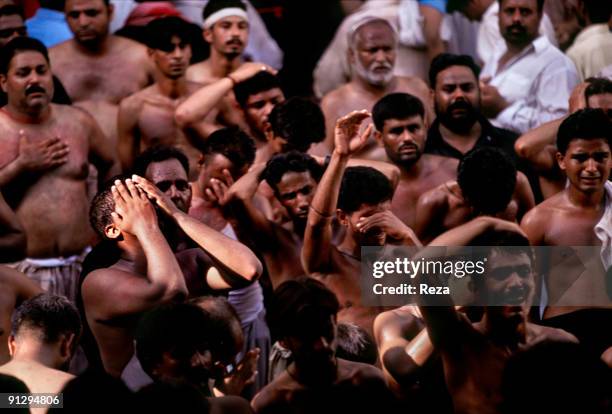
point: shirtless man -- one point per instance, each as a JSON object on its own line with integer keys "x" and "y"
{"x": 538, "y": 147}
{"x": 570, "y": 217}
{"x": 253, "y": 87}
{"x": 45, "y": 332}
{"x": 171, "y": 349}
{"x": 226, "y": 29}
{"x": 372, "y": 47}
{"x": 400, "y": 129}
{"x": 316, "y": 380}
{"x": 15, "y": 288}
{"x": 13, "y": 241}
{"x": 487, "y": 184}
{"x": 147, "y": 272}
{"x": 146, "y": 118}
{"x": 44, "y": 166}
{"x": 363, "y": 199}
{"x": 99, "y": 69}
{"x": 475, "y": 355}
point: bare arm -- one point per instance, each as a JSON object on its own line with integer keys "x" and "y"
{"x": 13, "y": 241}
{"x": 538, "y": 146}
{"x": 198, "y": 106}
{"x": 252, "y": 223}
{"x": 23, "y": 287}
{"x": 523, "y": 195}
{"x": 390, "y": 171}
{"x": 235, "y": 263}
{"x": 316, "y": 251}
{"x": 134, "y": 215}
{"x": 127, "y": 132}
{"x": 432, "y": 20}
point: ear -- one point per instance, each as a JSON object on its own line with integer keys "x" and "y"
{"x": 3, "y": 80}
{"x": 342, "y": 217}
{"x": 378, "y": 137}
{"x": 207, "y": 35}
{"x": 12, "y": 345}
{"x": 112, "y": 231}
{"x": 560, "y": 160}
{"x": 111, "y": 11}
{"x": 67, "y": 345}
{"x": 350, "y": 54}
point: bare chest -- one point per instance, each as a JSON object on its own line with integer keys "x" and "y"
{"x": 572, "y": 229}
{"x": 109, "y": 78}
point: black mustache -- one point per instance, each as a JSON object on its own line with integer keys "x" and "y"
{"x": 518, "y": 27}
{"x": 234, "y": 41}
{"x": 34, "y": 89}
{"x": 460, "y": 105}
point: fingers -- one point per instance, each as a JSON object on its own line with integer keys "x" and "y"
{"x": 131, "y": 187}
{"x": 229, "y": 180}
{"x": 354, "y": 117}
{"x": 366, "y": 134}
{"x": 146, "y": 187}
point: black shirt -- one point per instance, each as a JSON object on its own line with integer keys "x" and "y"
{"x": 490, "y": 136}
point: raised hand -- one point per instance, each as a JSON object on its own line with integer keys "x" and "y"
{"x": 218, "y": 189}
{"x": 40, "y": 156}
{"x": 243, "y": 375}
{"x": 133, "y": 213}
{"x": 155, "y": 194}
{"x": 347, "y": 138}
{"x": 248, "y": 70}
{"x": 577, "y": 99}
{"x": 390, "y": 224}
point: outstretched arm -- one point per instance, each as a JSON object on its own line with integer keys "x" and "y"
{"x": 316, "y": 252}
{"x": 235, "y": 264}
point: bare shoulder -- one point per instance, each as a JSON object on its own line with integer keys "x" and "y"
{"x": 129, "y": 47}
{"x": 229, "y": 405}
{"x": 359, "y": 373}
{"x": 436, "y": 197}
{"x": 541, "y": 213}
{"x": 448, "y": 164}
{"x": 61, "y": 50}
{"x": 274, "y": 395}
{"x": 539, "y": 333}
{"x": 73, "y": 114}
{"x": 333, "y": 99}
{"x": 100, "y": 279}
{"x": 393, "y": 323}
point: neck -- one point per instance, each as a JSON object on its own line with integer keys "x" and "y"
{"x": 28, "y": 115}
{"x": 579, "y": 198}
{"x": 172, "y": 88}
{"x": 462, "y": 141}
{"x": 350, "y": 247}
{"x": 412, "y": 171}
{"x": 132, "y": 253}
{"x": 35, "y": 351}
{"x": 376, "y": 90}
{"x": 506, "y": 332}
{"x": 221, "y": 65}
{"x": 514, "y": 49}
{"x": 94, "y": 48}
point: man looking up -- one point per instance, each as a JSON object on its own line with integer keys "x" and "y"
{"x": 44, "y": 167}
{"x": 400, "y": 129}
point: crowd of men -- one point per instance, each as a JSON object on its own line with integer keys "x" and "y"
{"x": 177, "y": 234}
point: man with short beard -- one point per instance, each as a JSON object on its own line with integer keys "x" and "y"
{"x": 527, "y": 81}
{"x": 400, "y": 129}
{"x": 459, "y": 126}
{"x": 226, "y": 29}
{"x": 372, "y": 53}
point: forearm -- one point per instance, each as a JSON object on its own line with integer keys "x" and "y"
{"x": 162, "y": 267}
{"x": 390, "y": 171}
{"x": 464, "y": 234}
{"x": 535, "y": 142}
{"x": 233, "y": 255}
{"x": 10, "y": 172}
{"x": 197, "y": 106}
{"x": 326, "y": 196}
{"x": 245, "y": 188}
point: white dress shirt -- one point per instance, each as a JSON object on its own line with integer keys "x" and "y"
{"x": 489, "y": 36}
{"x": 537, "y": 83}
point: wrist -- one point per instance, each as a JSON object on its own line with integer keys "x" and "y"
{"x": 232, "y": 79}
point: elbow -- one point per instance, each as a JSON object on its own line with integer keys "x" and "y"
{"x": 521, "y": 147}
{"x": 181, "y": 117}
{"x": 254, "y": 271}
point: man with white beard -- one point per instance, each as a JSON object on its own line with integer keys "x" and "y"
{"x": 372, "y": 52}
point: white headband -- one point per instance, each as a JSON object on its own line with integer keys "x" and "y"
{"x": 223, "y": 13}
